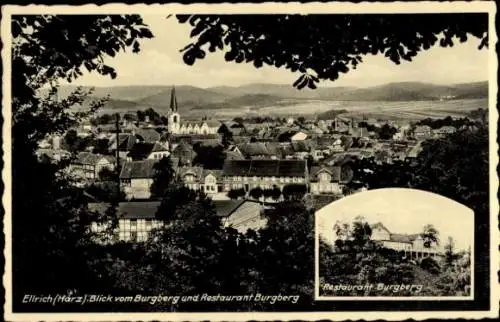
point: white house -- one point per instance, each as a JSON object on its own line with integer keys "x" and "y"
{"x": 325, "y": 180}
{"x": 411, "y": 244}
{"x": 197, "y": 178}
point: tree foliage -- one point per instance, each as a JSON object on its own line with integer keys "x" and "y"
{"x": 209, "y": 157}
{"x": 50, "y": 221}
{"x": 164, "y": 175}
{"x": 322, "y": 47}
{"x": 430, "y": 235}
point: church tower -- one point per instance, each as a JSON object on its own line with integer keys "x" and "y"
{"x": 174, "y": 119}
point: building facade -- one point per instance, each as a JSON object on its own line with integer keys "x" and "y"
{"x": 326, "y": 180}
{"x": 175, "y": 126}
{"x": 249, "y": 174}
{"x": 87, "y": 166}
{"x": 412, "y": 245}
{"x": 136, "y": 178}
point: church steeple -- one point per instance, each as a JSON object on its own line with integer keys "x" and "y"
{"x": 173, "y": 100}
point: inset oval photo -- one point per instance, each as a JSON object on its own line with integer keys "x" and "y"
{"x": 392, "y": 244}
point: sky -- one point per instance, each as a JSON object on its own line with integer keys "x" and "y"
{"x": 160, "y": 63}
{"x": 403, "y": 211}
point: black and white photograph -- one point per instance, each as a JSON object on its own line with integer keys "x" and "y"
{"x": 395, "y": 242}
{"x": 250, "y": 162}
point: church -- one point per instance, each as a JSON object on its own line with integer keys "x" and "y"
{"x": 175, "y": 126}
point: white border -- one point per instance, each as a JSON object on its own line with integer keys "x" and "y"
{"x": 264, "y": 8}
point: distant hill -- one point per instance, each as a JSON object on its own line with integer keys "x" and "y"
{"x": 256, "y": 96}
{"x": 188, "y": 97}
{"x": 403, "y": 91}
{"x": 248, "y": 100}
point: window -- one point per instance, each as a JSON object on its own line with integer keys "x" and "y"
{"x": 254, "y": 178}
{"x": 133, "y": 224}
{"x": 282, "y": 179}
{"x": 149, "y": 224}
{"x": 273, "y": 179}
{"x": 133, "y": 236}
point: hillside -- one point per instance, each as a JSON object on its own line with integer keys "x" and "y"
{"x": 403, "y": 91}
{"x": 188, "y": 97}
{"x": 247, "y": 100}
{"x": 257, "y": 97}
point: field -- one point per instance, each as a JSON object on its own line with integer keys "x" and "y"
{"x": 384, "y": 110}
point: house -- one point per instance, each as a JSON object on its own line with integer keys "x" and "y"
{"x": 136, "y": 178}
{"x": 136, "y": 219}
{"x": 444, "y": 131}
{"x": 233, "y": 153}
{"x": 325, "y": 179}
{"x": 199, "y": 179}
{"x": 147, "y": 150}
{"x": 411, "y": 244}
{"x": 298, "y": 136}
{"x": 422, "y": 132}
{"x": 241, "y": 215}
{"x": 258, "y": 150}
{"x": 289, "y": 135}
{"x": 126, "y": 142}
{"x": 298, "y": 150}
{"x": 185, "y": 153}
{"x": 201, "y": 128}
{"x": 88, "y": 165}
{"x": 249, "y": 174}
{"x": 147, "y": 135}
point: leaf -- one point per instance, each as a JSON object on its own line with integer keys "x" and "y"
{"x": 145, "y": 33}
{"x": 200, "y": 53}
{"x": 311, "y": 84}
{"x": 189, "y": 58}
{"x": 257, "y": 63}
{"x": 230, "y": 55}
{"x": 302, "y": 84}
{"x": 240, "y": 58}
{"x": 136, "y": 47}
{"x": 299, "y": 80}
